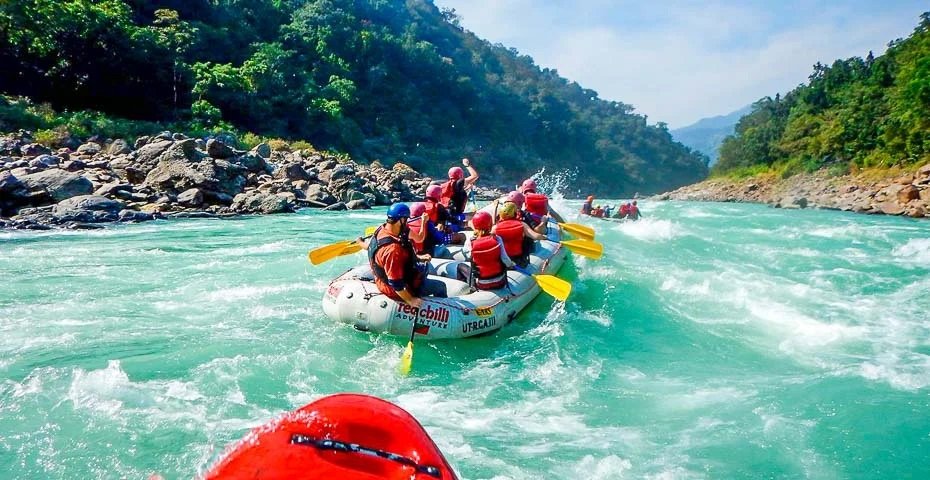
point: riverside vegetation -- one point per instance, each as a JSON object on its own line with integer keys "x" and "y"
{"x": 856, "y": 137}
{"x": 394, "y": 81}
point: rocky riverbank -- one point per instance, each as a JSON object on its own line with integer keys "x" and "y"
{"x": 170, "y": 175}
{"x": 897, "y": 193}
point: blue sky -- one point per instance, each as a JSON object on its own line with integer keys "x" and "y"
{"x": 678, "y": 61}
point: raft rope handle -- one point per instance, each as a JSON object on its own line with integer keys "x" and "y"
{"x": 326, "y": 444}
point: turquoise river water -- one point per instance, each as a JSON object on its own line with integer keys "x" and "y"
{"x": 712, "y": 341}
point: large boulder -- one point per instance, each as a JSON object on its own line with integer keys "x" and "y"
{"x": 258, "y": 202}
{"x": 908, "y": 193}
{"x": 33, "y": 150}
{"x": 253, "y": 163}
{"x": 191, "y": 198}
{"x": 119, "y": 147}
{"x": 175, "y": 175}
{"x": 293, "y": 171}
{"x": 357, "y": 205}
{"x": 320, "y": 194}
{"x": 262, "y": 150}
{"x": 12, "y": 193}
{"x": 218, "y": 149}
{"x": 89, "y": 149}
{"x": 58, "y": 184}
{"x": 87, "y": 209}
{"x": 147, "y": 155}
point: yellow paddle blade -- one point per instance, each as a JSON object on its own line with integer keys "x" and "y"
{"x": 581, "y": 231}
{"x": 406, "y": 360}
{"x": 555, "y": 286}
{"x": 370, "y": 231}
{"x": 585, "y": 248}
{"x": 328, "y": 252}
{"x": 350, "y": 249}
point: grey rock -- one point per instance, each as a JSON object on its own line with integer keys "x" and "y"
{"x": 357, "y": 205}
{"x": 179, "y": 136}
{"x": 176, "y": 175}
{"x": 133, "y": 216}
{"x": 217, "y": 197}
{"x": 58, "y": 184}
{"x": 338, "y": 206}
{"x": 262, "y": 150}
{"x": 148, "y": 154}
{"x": 257, "y": 202}
{"x": 44, "y": 161}
{"x": 253, "y": 163}
{"x": 89, "y": 148}
{"x": 73, "y": 165}
{"x": 341, "y": 171}
{"x": 112, "y": 187}
{"x": 142, "y": 141}
{"x": 292, "y": 171}
{"x": 218, "y": 149}
{"x": 33, "y": 150}
{"x": 87, "y": 209}
{"x": 166, "y": 135}
{"x": 191, "y": 198}
{"x": 319, "y": 193}
{"x": 119, "y": 147}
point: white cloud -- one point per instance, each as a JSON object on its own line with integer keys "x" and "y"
{"x": 680, "y": 63}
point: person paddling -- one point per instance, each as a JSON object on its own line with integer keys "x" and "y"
{"x": 519, "y": 239}
{"x": 424, "y": 234}
{"x": 488, "y": 254}
{"x": 393, "y": 259}
{"x": 587, "y": 206}
{"x": 438, "y": 213}
{"x": 538, "y": 223}
{"x": 536, "y": 206}
{"x": 634, "y": 212}
{"x": 455, "y": 192}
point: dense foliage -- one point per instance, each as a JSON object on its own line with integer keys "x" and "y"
{"x": 872, "y": 112}
{"x": 391, "y": 80}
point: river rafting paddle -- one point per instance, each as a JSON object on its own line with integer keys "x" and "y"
{"x": 555, "y": 286}
{"x": 583, "y": 232}
{"x": 406, "y": 360}
{"x": 585, "y": 248}
{"x": 328, "y": 252}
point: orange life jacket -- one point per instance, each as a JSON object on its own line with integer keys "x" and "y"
{"x": 536, "y": 203}
{"x": 486, "y": 254}
{"x": 511, "y": 232}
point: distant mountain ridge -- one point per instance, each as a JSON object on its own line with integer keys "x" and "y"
{"x": 707, "y": 134}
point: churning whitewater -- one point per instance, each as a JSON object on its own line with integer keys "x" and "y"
{"x": 711, "y": 341}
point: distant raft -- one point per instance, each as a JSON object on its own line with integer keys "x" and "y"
{"x": 344, "y": 436}
{"x": 353, "y": 298}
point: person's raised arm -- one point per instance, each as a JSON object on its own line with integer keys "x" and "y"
{"x": 472, "y": 173}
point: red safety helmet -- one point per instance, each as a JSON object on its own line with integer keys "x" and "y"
{"x": 417, "y": 209}
{"x": 456, "y": 173}
{"x": 528, "y": 185}
{"x": 434, "y": 192}
{"x": 481, "y": 221}
{"x": 516, "y": 197}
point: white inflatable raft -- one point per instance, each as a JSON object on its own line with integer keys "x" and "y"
{"x": 353, "y": 298}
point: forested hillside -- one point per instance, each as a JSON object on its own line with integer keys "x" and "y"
{"x": 379, "y": 79}
{"x": 872, "y": 112}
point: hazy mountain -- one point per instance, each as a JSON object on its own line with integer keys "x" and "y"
{"x": 707, "y": 134}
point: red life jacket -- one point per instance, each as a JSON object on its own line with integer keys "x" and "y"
{"x": 432, "y": 209}
{"x": 537, "y": 204}
{"x": 486, "y": 254}
{"x": 454, "y": 199}
{"x": 414, "y": 226}
{"x": 511, "y": 232}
